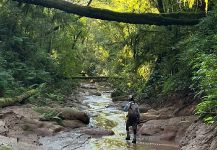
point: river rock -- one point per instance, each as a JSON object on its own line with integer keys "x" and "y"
{"x": 94, "y": 92}
{"x": 143, "y": 108}
{"x": 153, "y": 112}
{"x": 144, "y": 117}
{"x": 166, "y": 129}
{"x": 150, "y": 130}
{"x": 97, "y": 131}
{"x": 167, "y": 111}
{"x": 40, "y": 128}
{"x": 67, "y": 113}
{"x": 73, "y": 114}
{"x": 88, "y": 86}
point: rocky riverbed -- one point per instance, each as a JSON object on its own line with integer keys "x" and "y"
{"x": 21, "y": 127}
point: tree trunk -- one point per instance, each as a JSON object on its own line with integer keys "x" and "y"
{"x": 11, "y": 101}
{"x": 133, "y": 18}
{"x": 160, "y": 6}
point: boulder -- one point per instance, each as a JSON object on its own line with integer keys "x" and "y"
{"x": 67, "y": 113}
{"x": 153, "y": 127}
{"x": 153, "y": 112}
{"x": 150, "y": 130}
{"x": 144, "y": 117}
{"x": 94, "y": 92}
{"x": 167, "y": 111}
{"x": 171, "y": 129}
{"x": 40, "y": 128}
{"x": 88, "y": 86}
{"x": 143, "y": 108}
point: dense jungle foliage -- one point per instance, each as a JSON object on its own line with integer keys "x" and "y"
{"x": 44, "y": 48}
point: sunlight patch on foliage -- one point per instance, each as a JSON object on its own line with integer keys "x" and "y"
{"x": 129, "y": 29}
{"x": 104, "y": 72}
{"x": 102, "y": 54}
{"x": 206, "y": 1}
{"x": 127, "y": 52}
{"x": 83, "y": 20}
{"x": 192, "y": 2}
{"x": 54, "y": 55}
{"x": 144, "y": 71}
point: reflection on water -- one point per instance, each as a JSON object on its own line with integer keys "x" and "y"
{"x": 114, "y": 119}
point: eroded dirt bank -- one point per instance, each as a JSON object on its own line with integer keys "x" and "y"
{"x": 21, "y": 127}
{"x": 185, "y": 130}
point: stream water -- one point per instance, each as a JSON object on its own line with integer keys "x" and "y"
{"x": 104, "y": 114}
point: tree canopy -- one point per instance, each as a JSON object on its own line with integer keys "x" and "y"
{"x": 159, "y": 58}
{"x": 134, "y": 18}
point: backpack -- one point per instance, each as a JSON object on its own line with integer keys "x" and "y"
{"x": 133, "y": 111}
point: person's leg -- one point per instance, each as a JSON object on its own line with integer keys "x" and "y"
{"x": 134, "y": 133}
{"x": 128, "y": 131}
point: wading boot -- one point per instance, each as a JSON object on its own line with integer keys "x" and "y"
{"x": 134, "y": 139}
{"x": 128, "y": 135}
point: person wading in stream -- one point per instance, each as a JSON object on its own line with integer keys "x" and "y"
{"x": 133, "y": 117}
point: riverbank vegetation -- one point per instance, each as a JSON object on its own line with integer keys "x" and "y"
{"x": 44, "y": 48}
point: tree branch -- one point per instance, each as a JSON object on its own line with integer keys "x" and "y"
{"x": 133, "y": 18}
{"x": 89, "y": 2}
{"x": 160, "y": 6}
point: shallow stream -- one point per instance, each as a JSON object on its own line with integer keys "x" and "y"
{"x": 104, "y": 114}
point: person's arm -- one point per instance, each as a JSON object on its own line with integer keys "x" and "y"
{"x": 126, "y": 107}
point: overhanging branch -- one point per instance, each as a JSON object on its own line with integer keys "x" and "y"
{"x": 133, "y": 18}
